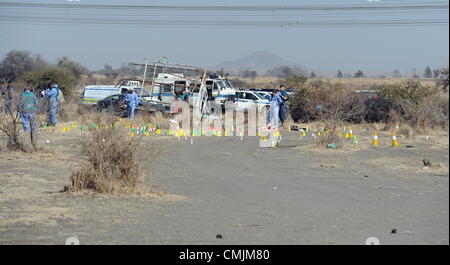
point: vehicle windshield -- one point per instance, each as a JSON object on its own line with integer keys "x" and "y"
{"x": 262, "y": 95}
{"x": 228, "y": 84}
{"x": 145, "y": 93}
{"x": 221, "y": 84}
{"x": 254, "y": 93}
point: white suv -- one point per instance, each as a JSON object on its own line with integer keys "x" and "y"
{"x": 246, "y": 99}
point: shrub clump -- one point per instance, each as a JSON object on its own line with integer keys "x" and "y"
{"x": 111, "y": 164}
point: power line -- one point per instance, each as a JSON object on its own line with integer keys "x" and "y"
{"x": 425, "y": 5}
{"x": 403, "y": 14}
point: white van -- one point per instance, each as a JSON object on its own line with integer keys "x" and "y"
{"x": 92, "y": 94}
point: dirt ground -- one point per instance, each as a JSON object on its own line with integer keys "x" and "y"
{"x": 293, "y": 194}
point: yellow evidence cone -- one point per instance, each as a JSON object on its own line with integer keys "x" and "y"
{"x": 394, "y": 140}
{"x": 375, "y": 139}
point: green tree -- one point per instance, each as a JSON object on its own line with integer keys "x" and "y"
{"x": 76, "y": 68}
{"x": 109, "y": 72}
{"x": 436, "y": 73}
{"x": 428, "y": 73}
{"x": 359, "y": 74}
{"x": 16, "y": 63}
{"x": 284, "y": 72}
{"x": 41, "y": 79}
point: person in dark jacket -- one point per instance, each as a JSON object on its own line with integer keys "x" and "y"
{"x": 283, "y": 108}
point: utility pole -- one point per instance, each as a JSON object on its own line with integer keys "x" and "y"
{"x": 145, "y": 74}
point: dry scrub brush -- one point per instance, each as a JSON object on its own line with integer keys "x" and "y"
{"x": 11, "y": 127}
{"x": 332, "y": 104}
{"x": 111, "y": 163}
{"x": 419, "y": 106}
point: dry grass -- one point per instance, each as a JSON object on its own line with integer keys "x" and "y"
{"x": 354, "y": 83}
{"x": 11, "y": 127}
{"x": 111, "y": 164}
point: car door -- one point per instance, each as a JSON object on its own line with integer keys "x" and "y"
{"x": 240, "y": 102}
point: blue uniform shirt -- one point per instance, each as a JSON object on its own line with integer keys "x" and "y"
{"x": 276, "y": 98}
{"x": 131, "y": 99}
{"x": 51, "y": 95}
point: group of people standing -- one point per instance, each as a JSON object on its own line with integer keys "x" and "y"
{"x": 277, "y": 111}
{"x": 27, "y": 105}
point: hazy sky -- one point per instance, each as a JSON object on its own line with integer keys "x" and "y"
{"x": 372, "y": 48}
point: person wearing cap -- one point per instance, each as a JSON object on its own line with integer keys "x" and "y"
{"x": 52, "y": 95}
{"x": 283, "y": 108}
{"x": 27, "y": 109}
{"x": 275, "y": 101}
{"x": 132, "y": 101}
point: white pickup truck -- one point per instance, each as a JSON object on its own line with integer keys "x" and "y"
{"x": 93, "y": 94}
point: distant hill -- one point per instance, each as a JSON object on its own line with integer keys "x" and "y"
{"x": 259, "y": 61}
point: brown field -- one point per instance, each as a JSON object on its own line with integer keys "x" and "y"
{"x": 355, "y": 83}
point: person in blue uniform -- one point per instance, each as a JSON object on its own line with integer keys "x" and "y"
{"x": 52, "y": 96}
{"x": 275, "y": 101}
{"x": 132, "y": 101}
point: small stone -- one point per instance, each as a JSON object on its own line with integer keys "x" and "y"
{"x": 394, "y": 231}
{"x": 366, "y": 176}
{"x": 219, "y": 236}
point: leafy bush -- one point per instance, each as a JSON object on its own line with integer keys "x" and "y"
{"x": 320, "y": 100}
{"x": 16, "y": 63}
{"x": 41, "y": 79}
{"x": 412, "y": 101}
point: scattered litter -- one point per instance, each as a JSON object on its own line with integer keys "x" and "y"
{"x": 327, "y": 166}
{"x": 332, "y": 146}
{"x": 394, "y": 231}
{"x": 274, "y": 188}
{"x": 409, "y": 146}
{"x": 294, "y": 128}
{"x": 366, "y": 176}
{"x": 219, "y": 236}
{"x": 426, "y": 162}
